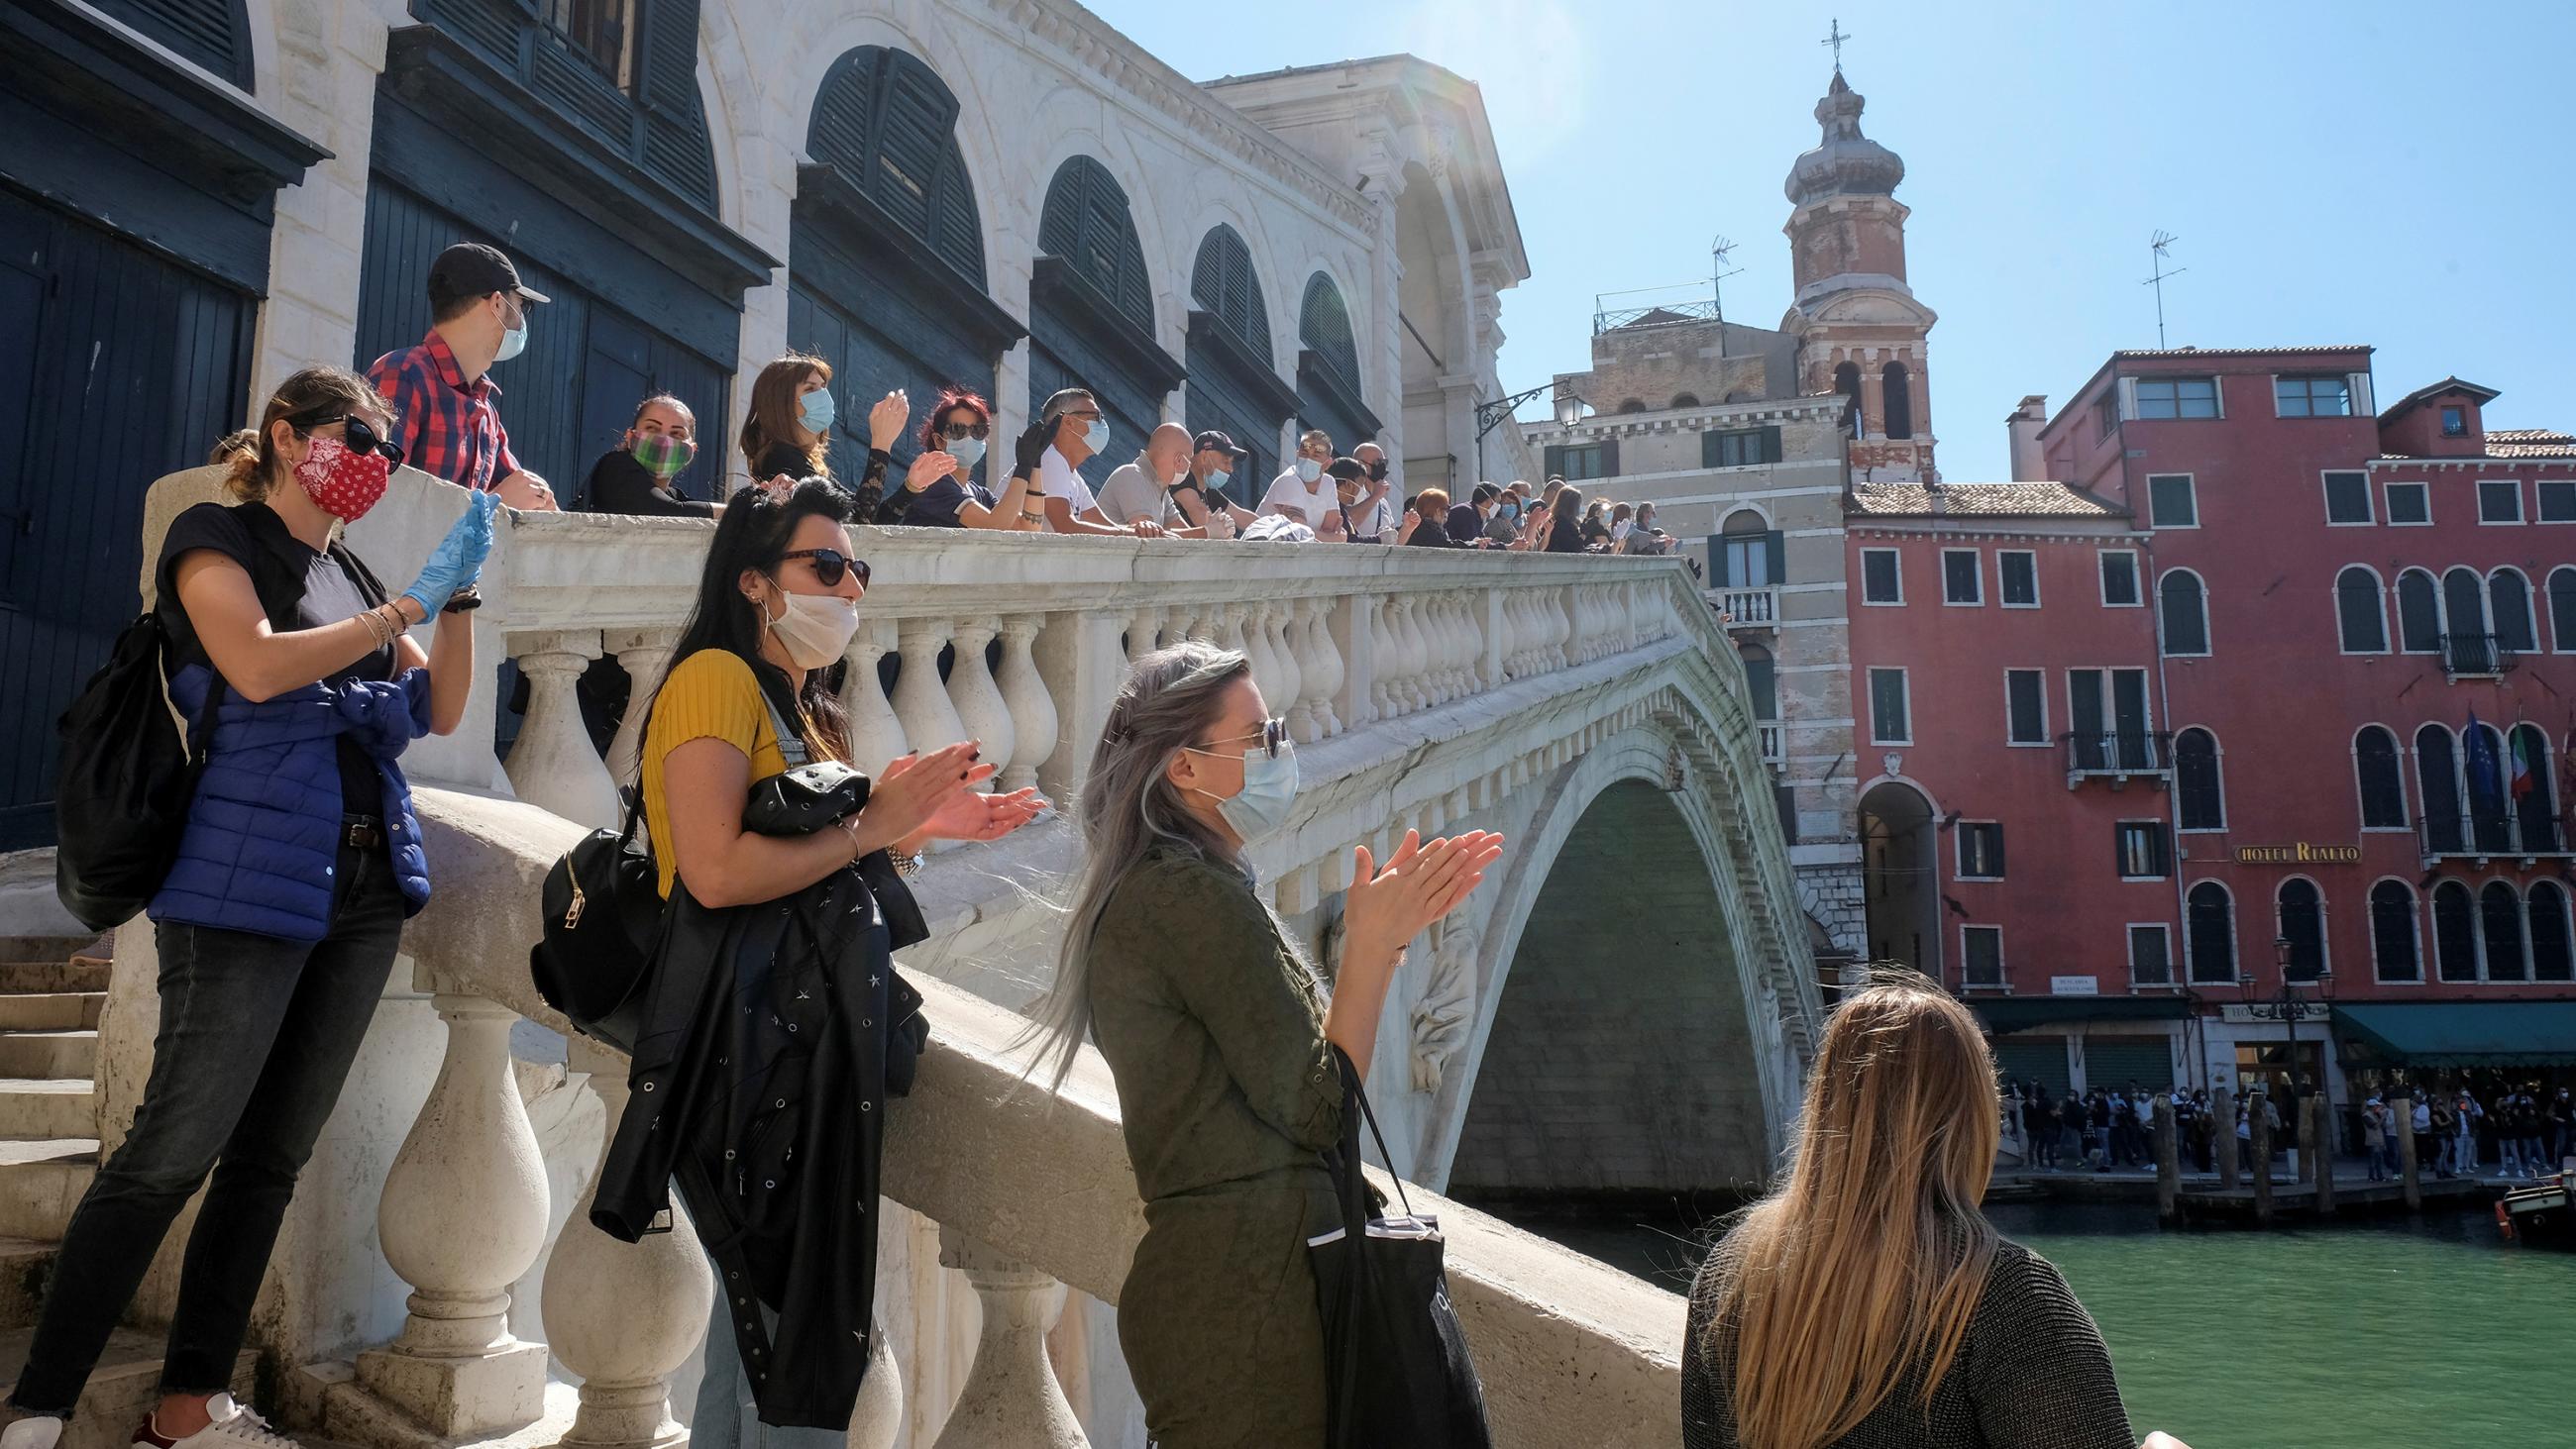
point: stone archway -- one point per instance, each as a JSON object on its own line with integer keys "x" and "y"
{"x": 1900, "y": 876}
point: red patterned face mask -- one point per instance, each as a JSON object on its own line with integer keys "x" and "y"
{"x": 341, "y": 482}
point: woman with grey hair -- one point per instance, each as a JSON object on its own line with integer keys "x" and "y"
{"x": 1221, "y": 1038}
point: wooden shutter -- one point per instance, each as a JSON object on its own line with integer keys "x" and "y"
{"x": 1708, "y": 449}
{"x": 1552, "y": 460}
{"x": 1719, "y": 576}
{"x": 213, "y": 33}
{"x": 1775, "y": 556}
{"x": 1771, "y": 444}
{"x": 1609, "y": 457}
{"x": 676, "y": 143}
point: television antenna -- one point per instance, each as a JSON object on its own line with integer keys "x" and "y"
{"x": 1719, "y": 251}
{"x": 2157, "y": 245}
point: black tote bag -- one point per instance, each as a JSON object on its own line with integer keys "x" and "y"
{"x": 1399, "y": 1375}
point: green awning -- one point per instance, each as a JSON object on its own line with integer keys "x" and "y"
{"x": 2462, "y": 1033}
{"x": 2012, "y": 1013}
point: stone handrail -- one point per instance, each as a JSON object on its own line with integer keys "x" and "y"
{"x": 1571, "y": 1351}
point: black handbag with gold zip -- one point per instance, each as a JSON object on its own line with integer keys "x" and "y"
{"x": 603, "y": 908}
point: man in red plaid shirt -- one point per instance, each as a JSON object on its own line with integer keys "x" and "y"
{"x": 445, "y": 408}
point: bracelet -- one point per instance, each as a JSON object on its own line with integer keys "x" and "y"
{"x": 850, "y": 827}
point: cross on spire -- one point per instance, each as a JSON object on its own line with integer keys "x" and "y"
{"x": 1835, "y": 37}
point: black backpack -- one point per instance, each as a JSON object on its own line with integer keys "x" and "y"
{"x": 130, "y": 765}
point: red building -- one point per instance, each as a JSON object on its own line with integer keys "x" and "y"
{"x": 2268, "y": 683}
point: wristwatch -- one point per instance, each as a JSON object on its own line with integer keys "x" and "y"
{"x": 906, "y": 866}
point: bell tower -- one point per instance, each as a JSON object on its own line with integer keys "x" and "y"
{"x": 1860, "y": 330}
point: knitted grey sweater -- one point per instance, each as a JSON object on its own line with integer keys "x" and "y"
{"x": 2031, "y": 1374}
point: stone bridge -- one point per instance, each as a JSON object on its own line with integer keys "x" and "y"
{"x": 1628, "y": 1004}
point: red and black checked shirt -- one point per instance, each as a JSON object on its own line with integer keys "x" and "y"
{"x": 447, "y": 427}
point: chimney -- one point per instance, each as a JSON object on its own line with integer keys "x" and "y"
{"x": 2028, "y": 465}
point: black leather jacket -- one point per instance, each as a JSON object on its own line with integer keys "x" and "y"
{"x": 773, "y": 1036}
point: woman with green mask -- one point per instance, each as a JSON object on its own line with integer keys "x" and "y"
{"x": 642, "y": 473}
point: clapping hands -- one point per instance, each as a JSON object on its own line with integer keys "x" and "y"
{"x": 1422, "y": 882}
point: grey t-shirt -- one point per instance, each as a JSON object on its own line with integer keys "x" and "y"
{"x": 1131, "y": 494}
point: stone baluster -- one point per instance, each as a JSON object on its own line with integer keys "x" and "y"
{"x": 1322, "y": 663}
{"x": 1417, "y": 650}
{"x": 1432, "y": 614}
{"x": 876, "y": 736}
{"x": 1516, "y": 632}
{"x": 1247, "y": 630}
{"x": 463, "y": 1215}
{"x": 1351, "y": 623}
{"x": 1278, "y": 617}
{"x": 624, "y": 1316}
{"x": 552, "y": 764}
{"x": 1033, "y": 716}
{"x": 645, "y": 655}
{"x": 1386, "y": 651}
{"x": 929, "y": 717}
{"x": 1587, "y": 624}
{"x": 1011, "y": 1399}
{"x": 1142, "y": 627}
{"x": 1560, "y": 628}
{"x": 1467, "y": 642}
{"x": 976, "y": 698}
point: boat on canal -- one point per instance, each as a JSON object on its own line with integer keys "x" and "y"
{"x": 2537, "y": 1213}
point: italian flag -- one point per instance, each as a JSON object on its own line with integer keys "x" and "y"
{"x": 2522, "y": 782}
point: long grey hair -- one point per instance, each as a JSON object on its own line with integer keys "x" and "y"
{"x": 1129, "y": 806}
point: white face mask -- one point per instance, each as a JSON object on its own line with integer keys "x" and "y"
{"x": 815, "y": 629}
{"x": 1308, "y": 470}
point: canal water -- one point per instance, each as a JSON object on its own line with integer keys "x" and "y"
{"x": 2428, "y": 1334}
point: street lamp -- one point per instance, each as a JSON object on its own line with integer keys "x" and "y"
{"x": 1490, "y": 415}
{"x": 2289, "y": 1010}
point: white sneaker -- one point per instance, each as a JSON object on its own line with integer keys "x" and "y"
{"x": 36, "y": 1431}
{"x": 231, "y": 1426}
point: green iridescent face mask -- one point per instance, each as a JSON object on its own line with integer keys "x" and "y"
{"x": 662, "y": 455}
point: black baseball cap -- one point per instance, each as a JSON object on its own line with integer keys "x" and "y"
{"x": 1219, "y": 441}
{"x": 1349, "y": 470}
{"x": 471, "y": 269}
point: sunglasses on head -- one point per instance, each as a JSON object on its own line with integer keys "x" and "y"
{"x": 356, "y": 431}
{"x": 955, "y": 431}
{"x": 830, "y": 564}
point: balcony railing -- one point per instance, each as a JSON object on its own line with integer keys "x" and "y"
{"x": 2117, "y": 756}
{"x": 2474, "y": 656}
{"x": 1750, "y": 608}
{"x": 2483, "y": 834}
{"x": 1774, "y": 747}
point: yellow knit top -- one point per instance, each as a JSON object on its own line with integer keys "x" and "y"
{"x": 712, "y": 694}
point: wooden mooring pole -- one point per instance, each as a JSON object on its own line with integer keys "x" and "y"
{"x": 2410, "y": 1169}
{"x": 2168, "y": 1162}
{"x": 2223, "y": 1122}
{"x": 2321, "y": 1145}
{"x": 2259, "y": 1117}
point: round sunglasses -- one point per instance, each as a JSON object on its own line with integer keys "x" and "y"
{"x": 830, "y": 564}
{"x": 954, "y": 431}
{"x": 357, "y": 432}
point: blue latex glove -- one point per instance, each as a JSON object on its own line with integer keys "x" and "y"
{"x": 458, "y": 558}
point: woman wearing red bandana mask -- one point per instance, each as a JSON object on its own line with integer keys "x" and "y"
{"x": 276, "y": 926}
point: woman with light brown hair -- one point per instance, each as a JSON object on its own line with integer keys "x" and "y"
{"x": 1866, "y": 1303}
{"x": 788, "y": 433}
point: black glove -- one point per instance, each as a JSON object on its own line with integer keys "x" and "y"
{"x": 1031, "y": 446}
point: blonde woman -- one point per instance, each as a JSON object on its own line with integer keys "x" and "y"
{"x": 1867, "y": 1303}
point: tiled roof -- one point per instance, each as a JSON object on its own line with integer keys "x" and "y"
{"x": 2228, "y": 351}
{"x": 1981, "y": 500}
{"x": 2430, "y": 391}
{"x": 2530, "y": 443}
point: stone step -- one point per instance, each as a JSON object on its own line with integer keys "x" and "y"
{"x": 54, "y": 948}
{"x": 25, "y": 1265}
{"x": 33, "y": 1108}
{"x": 40, "y": 1184}
{"x": 84, "y": 974}
{"x": 48, "y": 1054}
{"x": 124, "y": 1389}
{"x": 51, "y": 1010}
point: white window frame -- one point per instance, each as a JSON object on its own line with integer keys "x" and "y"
{"x": 2120, "y": 829}
{"x": 2325, "y": 495}
{"x": 1905, "y": 681}
{"x": 2217, "y": 752}
{"x": 1895, "y": 556}
{"x": 2545, "y": 607}
{"x": 1977, "y": 574}
{"x": 2173, "y": 960}
{"x": 2539, "y": 515}
{"x": 2137, "y": 578}
{"x": 2353, "y": 397}
{"x": 2209, "y": 644}
{"x": 2191, "y": 483}
{"x": 1959, "y": 852}
{"x": 2003, "y": 967}
{"x": 2002, "y": 600}
{"x": 2045, "y": 740}
{"x": 2131, "y": 407}
{"x": 2386, "y": 594}
{"x": 2419, "y": 919}
{"x": 2388, "y": 510}
{"x": 2405, "y": 754}
{"x": 2518, "y": 512}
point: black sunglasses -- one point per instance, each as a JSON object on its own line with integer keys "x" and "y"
{"x": 358, "y": 433}
{"x": 967, "y": 430}
{"x": 1273, "y": 734}
{"x": 830, "y": 564}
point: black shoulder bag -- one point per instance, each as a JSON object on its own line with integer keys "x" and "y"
{"x": 130, "y": 766}
{"x": 1400, "y": 1374}
{"x": 603, "y": 908}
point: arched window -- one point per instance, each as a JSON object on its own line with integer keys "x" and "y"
{"x": 1847, "y": 382}
{"x": 2464, "y": 604}
{"x": 1223, "y": 282}
{"x": 887, "y": 123}
{"x": 2483, "y": 768}
{"x": 2209, "y": 933}
{"x": 2551, "y": 956}
{"x": 2202, "y": 799}
{"x": 2455, "y": 932}
{"x": 1086, "y": 222}
{"x": 2183, "y": 609}
{"x": 2437, "y": 784}
{"x": 2392, "y": 932}
{"x": 2500, "y": 922}
{"x": 2383, "y": 785}
{"x": 1685, "y": 400}
{"x": 1750, "y": 552}
{"x": 2419, "y": 613}
{"x": 1896, "y": 400}
{"x": 1633, "y": 405}
{"x": 2303, "y": 923}
{"x": 2358, "y": 614}
{"x": 2509, "y": 597}
{"x": 2535, "y": 798}
{"x": 2562, "y": 609}
{"x": 1760, "y": 681}
{"x": 1324, "y": 324}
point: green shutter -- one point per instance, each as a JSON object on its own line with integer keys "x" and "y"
{"x": 1708, "y": 450}
{"x": 1997, "y": 841}
{"x": 1718, "y": 577}
{"x": 1771, "y": 444}
{"x": 1609, "y": 458}
{"x": 1552, "y": 460}
{"x": 1775, "y": 552}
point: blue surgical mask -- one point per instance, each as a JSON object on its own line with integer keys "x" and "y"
{"x": 967, "y": 451}
{"x": 814, "y": 410}
{"x": 513, "y": 342}
{"x": 1096, "y": 436}
{"x": 1308, "y": 470}
{"x": 1269, "y": 788}
{"x": 1216, "y": 481}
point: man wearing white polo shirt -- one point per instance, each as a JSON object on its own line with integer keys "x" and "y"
{"x": 1080, "y": 432}
{"x": 1303, "y": 492}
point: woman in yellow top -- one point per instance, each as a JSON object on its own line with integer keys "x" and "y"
{"x": 746, "y": 699}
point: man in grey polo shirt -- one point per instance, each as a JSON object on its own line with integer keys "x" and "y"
{"x": 1140, "y": 492}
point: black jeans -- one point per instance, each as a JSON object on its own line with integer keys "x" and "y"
{"x": 257, "y": 1036}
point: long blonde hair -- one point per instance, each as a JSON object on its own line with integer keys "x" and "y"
{"x": 1867, "y": 1262}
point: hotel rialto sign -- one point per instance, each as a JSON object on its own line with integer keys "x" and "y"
{"x": 2299, "y": 853}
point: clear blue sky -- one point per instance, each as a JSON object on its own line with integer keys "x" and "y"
{"x": 2399, "y": 175}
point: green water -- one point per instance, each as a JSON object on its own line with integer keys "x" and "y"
{"x": 2398, "y": 1334}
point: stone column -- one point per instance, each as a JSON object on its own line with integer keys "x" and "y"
{"x": 462, "y": 1217}
{"x": 1011, "y": 1399}
{"x": 2410, "y": 1170}
{"x": 624, "y": 1316}
{"x": 552, "y": 764}
{"x": 1033, "y": 720}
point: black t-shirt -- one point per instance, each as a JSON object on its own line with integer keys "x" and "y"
{"x": 939, "y": 505}
{"x": 619, "y": 484}
{"x": 328, "y": 587}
